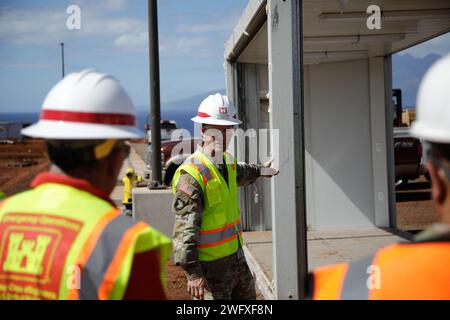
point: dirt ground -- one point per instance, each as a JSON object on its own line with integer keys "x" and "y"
{"x": 176, "y": 283}
{"x": 414, "y": 206}
{"x": 20, "y": 163}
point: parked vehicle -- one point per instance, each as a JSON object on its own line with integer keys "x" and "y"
{"x": 167, "y": 128}
{"x": 171, "y": 157}
{"x": 408, "y": 155}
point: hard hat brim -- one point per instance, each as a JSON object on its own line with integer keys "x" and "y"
{"x": 62, "y": 130}
{"x": 424, "y": 132}
{"x": 219, "y": 122}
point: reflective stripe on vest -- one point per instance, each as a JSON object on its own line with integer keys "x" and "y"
{"x": 202, "y": 169}
{"x": 94, "y": 273}
{"x": 88, "y": 248}
{"x": 400, "y": 271}
{"x": 210, "y": 238}
{"x": 355, "y": 286}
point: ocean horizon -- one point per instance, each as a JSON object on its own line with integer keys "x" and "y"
{"x": 182, "y": 118}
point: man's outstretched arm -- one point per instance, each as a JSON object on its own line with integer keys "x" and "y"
{"x": 247, "y": 173}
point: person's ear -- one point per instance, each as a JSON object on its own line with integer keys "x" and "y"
{"x": 438, "y": 181}
{"x": 114, "y": 162}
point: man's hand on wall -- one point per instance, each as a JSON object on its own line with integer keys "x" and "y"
{"x": 267, "y": 171}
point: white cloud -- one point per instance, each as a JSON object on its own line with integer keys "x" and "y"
{"x": 214, "y": 23}
{"x": 115, "y": 4}
{"x": 48, "y": 26}
{"x": 30, "y": 26}
{"x": 205, "y": 27}
{"x": 28, "y": 65}
{"x": 198, "y": 47}
{"x": 138, "y": 40}
{"x": 439, "y": 45}
{"x": 102, "y": 5}
{"x": 112, "y": 26}
{"x": 201, "y": 40}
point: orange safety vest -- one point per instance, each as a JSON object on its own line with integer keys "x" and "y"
{"x": 58, "y": 241}
{"x": 416, "y": 271}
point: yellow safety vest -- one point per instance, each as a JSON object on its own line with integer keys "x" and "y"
{"x": 59, "y": 242}
{"x": 220, "y": 231}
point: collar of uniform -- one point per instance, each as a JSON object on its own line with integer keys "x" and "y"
{"x": 80, "y": 184}
{"x": 436, "y": 232}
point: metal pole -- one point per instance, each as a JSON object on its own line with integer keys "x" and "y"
{"x": 390, "y": 141}
{"x": 62, "y": 58}
{"x": 154, "y": 93}
{"x": 299, "y": 146}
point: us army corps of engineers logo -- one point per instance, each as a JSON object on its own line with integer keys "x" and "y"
{"x": 33, "y": 250}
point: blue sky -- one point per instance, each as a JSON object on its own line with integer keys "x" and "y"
{"x": 113, "y": 39}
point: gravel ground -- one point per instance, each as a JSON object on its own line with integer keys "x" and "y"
{"x": 414, "y": 206}
{"x": 176, "y": 283}
{"x": 20, "y": 163}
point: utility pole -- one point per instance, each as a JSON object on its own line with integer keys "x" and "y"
{"x": 62, "y": 58}
{"x": 155, "y": 106}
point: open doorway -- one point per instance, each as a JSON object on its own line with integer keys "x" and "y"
{"x": 414, "y": 206}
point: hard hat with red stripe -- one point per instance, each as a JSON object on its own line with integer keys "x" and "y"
{"x": 86, "y": 105}
{"x": 217, "y": 110}
{"x": 433, "y": 104}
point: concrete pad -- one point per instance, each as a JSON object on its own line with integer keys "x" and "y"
{"x": 117, "y": 194}
{"x": 141, "y": 150}
{"x": 264, "y": 284}
{"x": 334, "y": 246}
{"x": 324, "y": 247}
{"x": 154, "y": 208}
{"x": 135, "y": 161}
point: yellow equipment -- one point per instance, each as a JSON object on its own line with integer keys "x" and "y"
{"x": 129, "y": 181}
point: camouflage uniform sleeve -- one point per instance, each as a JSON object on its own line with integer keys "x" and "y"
{"x": 187, "y": 207}
{"x": 247, "y": 173}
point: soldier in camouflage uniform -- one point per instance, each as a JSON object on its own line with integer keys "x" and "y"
{"x": 228, "y": 277}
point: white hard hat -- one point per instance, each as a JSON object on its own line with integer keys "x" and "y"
{"x": 216, "y": 109}
{"x": 433, "y": 104}
{"x": 86, "y": 105}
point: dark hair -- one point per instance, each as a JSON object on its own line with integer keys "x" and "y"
{"x": 69, "y": 155}
{"x": 439, "y": 151}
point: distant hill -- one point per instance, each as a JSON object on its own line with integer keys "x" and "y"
{"x": 407, "y": 72}
{"x": 188, "y": 104}
{"x": 180, "y": 111}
